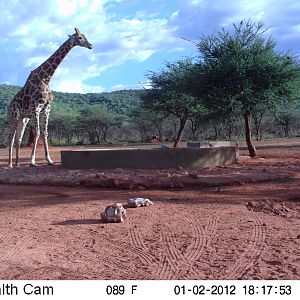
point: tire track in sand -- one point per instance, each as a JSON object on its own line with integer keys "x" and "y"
{"x": 135, "y": 252}
{"x": 165, "y": 269}
{"x": 209, "y": 231}
{"x": 171, "y": 260}
{"x": 139, "y": 245}
{"x": 18, "y": 245}
{"x": 252, "y": 253}
{"x": 114, "y": 261}
{"x": 178, "y": 263}
{"x": 175, "y": 258}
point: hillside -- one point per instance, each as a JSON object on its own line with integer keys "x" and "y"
{"x": 119, "y": 102}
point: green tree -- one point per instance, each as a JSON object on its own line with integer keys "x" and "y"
{"x": 168, "y": 96}
{"x": 95, "y": 121}
{"x": 241, "y": 73}
{"x": 2, "y": 129}
{"x": 147, "y": 122}
{"x": 62, "y": 126}
{"x": 287, "y": 118}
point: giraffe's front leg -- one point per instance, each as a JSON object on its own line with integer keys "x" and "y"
{"x": 36, "y": 125}
{"x": 22, "y": 122}
{"x": 45, "y": 134}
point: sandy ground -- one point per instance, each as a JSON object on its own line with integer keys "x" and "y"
{"x": 231, "y": 227}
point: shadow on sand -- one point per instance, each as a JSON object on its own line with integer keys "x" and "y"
{"x": 79, "y": 222}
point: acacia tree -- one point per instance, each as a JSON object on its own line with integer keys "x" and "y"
{"x": 241, "y": 73}
{"x": 61, "y": 127}
{"x": 287, "y": 118}
{"x": 95, "y": 121}
{"x": 147, "y": 122}
{"x": 168, "y": 97}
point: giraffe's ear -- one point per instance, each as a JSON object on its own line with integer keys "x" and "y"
{"x": 77, "y": 31}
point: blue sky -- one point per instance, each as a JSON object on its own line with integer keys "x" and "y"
{"x": 130, "y": 37}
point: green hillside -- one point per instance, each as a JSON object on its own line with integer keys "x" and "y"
{"x": 119, "y": 102}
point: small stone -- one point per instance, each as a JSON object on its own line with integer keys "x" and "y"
{"x": 115, "y": 213}
{"x": 138, "y": 202}
{"x": 99, "y": 175}
{"x": 141, "y": 187}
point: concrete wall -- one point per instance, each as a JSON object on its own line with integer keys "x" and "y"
{"x": 149, "y": 158}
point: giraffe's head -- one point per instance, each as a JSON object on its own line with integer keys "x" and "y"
{"x": 80, "y": 39}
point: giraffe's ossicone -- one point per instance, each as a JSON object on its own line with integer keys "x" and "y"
{"x": 33, "y": 101}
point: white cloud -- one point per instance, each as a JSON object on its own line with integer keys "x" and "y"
{"x": 133, "y": 22}
{"x": 133, "y": 86}
{"x": 66, "y": 7}
{"x": 76, "y": 86}
{"x": 140, "y": 55}
{"x": 25, "y": 45}
{"x": 34, "y": 61}
{"x": 195, "y": 2}
{"x": 177, "y": 49}
{"x": 20, "y": 31}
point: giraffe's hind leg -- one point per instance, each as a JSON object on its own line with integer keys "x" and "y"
{"x": 19, "y": 135}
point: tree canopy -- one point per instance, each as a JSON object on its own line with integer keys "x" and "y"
{"x": 168, "y": 95}
{"x": 241, "y": 73}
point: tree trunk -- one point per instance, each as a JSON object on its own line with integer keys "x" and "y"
{"x": 195, "y": 124}
{"x": 257, "y": 125}
{"x": 230, "y": 131}
{"x": 104, "y": 133}
{"x": 251, "y": 148}
{"x": 216, "y": 131}
{"x": 158, "y": 127}
{"x": 179, "y": 134}
{"x": 257, "y": 133}
{"x": 160, "y": 134}
{"x": 286, "y": 128}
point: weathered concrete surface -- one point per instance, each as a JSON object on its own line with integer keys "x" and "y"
{"x": 133, "y": 158}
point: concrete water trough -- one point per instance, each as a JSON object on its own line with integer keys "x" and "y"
{"x": 134, "y": 158}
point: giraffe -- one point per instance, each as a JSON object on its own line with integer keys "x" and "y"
{"x": 33, "y": 101}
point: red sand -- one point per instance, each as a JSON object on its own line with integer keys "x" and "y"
{"x": 245, "y": 230}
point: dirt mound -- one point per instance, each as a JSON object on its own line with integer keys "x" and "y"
{"x": 270, "y": 207}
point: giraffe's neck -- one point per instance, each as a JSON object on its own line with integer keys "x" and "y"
{"x": 46, "y": 70}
